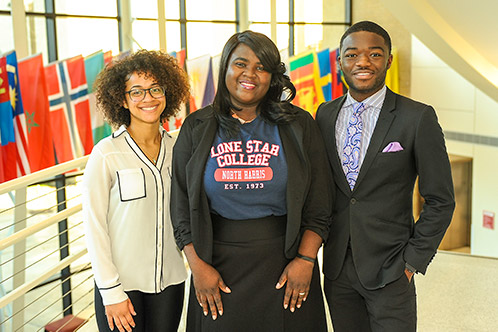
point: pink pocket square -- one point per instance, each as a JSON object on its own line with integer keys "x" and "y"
{"x": 393, "y": 147}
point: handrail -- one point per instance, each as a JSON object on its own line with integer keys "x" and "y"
{"x": 21, "y": 285}
{"x": 23, "y": 234}
{"x": 42, "y": 175}
{"x": 24, "y": 288}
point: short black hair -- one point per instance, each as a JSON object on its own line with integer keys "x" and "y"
{"x": 369, "y": 27}
{"x": 273, "y": 109}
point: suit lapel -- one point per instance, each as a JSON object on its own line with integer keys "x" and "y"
{"x": 384, "y": 122}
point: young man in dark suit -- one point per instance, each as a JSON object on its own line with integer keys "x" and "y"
{"x": 378, "y": 142}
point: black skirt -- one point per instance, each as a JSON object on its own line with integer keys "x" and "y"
{"x": 249, "y": 255}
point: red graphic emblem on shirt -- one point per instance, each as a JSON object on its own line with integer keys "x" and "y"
{"x": 254, "y": 153}
{"x": 243, "y": 174}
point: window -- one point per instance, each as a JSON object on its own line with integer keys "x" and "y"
{"x": 36, "y": 6}
{"x": 282, "y": 33}
{"x": 85, "y": 36}
{"x": 307, "y": 24}
{"x": 7, "y": 40}
{"x": 198, "y": 33}
{"x": 61, "y": 29}
{"x": 212, "y": 10}
{"x": 37, "y": 35}
{"x": 5, "y": 5}
{"x": 145, "y": 26}
{"x": 319, "y": 23}
{"x": 87, "y": 7}
{"x": 143, "y": 9}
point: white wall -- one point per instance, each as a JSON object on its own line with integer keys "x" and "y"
{"x": 463, "y": 109}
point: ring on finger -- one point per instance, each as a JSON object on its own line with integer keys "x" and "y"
{"x": 302, "y": 293}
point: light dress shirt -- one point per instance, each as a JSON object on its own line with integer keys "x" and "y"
{"x": 370, "y": 115}
{"x": 127, "y": 219}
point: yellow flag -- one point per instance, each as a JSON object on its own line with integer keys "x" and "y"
{"x": 392, "y": 76}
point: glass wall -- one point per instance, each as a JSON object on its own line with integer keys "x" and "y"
{"x": 7, "y": 40}
{"x": 37, "y": 35}
{"x": 85, "y": 35}
{"x": 60, "y": 29}
{"x": 203, "y": 35}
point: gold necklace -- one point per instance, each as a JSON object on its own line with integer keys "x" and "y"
{"x": 242, "y": 120}
{"x": 142, "y": 146}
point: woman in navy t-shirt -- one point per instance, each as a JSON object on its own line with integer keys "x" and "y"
{"x": 251, "y": 199}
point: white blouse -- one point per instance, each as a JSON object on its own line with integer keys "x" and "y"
{"x": 127, "y": 219}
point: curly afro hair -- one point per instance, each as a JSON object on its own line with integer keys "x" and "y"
{"x": 110, "y": 85}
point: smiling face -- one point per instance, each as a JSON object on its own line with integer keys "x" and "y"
{"x": 246, "y": 79}
{"x": 149, "y": 109}
{"x": 364, "y": 60}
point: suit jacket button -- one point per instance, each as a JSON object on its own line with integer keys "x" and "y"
{"x": 353, "y": 200}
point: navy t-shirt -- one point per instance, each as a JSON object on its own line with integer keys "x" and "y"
{"x": 246, "y": 177}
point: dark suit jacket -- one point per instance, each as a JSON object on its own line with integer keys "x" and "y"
{"x": 377, "y": 215}
{"x": 308, "y": 195}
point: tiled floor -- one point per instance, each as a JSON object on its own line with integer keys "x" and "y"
{"x": 459, "y": 293}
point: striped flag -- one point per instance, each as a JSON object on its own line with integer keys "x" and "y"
{"x": 302, "y": 73}
{"x": 324, "y": 78}
{"x": 200, "y": 71}
{"x": 392, "y": 76}
{"x": 20, "y": 128}
{"x": 14, "y": 139}
{"x": 107, "y": 57}
{"x": 36, "y": 107}
{"x": 176, "y": 122}
{"x": 69, "y": 108}
{"x": 339, "y": 86}
{"x": 7, "y": 135}
{"x": 180, "y": 57}
{"x": 93, "y": 65}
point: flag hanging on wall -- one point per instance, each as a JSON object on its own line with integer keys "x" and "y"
{"x": 200, "y": 71}
{"x": 36, "y": 107}
{"x": 7, "y": 135}
{"x": 302, "y": 73}
{"x": 180, "y": 56}
{"x": 215, "y": 61}
{"x": 392, "y": 75}
{"x": 175, "y": 122}
{"x": 324, "y": 79}
{"x": 339, "y": 87}
{"x": 69, "y": 108}
{"x": 23, "y": 167}
{"x": 107, "y": 57}
{"x": 93, "y": 66}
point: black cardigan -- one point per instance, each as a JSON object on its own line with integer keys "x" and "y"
{"x": 309, "y": 184}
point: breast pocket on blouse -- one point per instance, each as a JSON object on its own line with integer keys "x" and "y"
{"x": 131, "y": 184}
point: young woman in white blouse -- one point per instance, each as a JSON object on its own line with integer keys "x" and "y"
{"x": 139, "y": 272}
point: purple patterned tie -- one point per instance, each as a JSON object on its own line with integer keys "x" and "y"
{"x": 351, "y": 152}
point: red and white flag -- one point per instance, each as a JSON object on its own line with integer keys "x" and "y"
{"x": 69, "y": 108}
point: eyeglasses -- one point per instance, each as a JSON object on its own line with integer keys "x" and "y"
{"x": 138, "y": 95}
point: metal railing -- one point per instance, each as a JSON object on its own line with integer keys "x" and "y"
{"x": 45, "y": 273}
